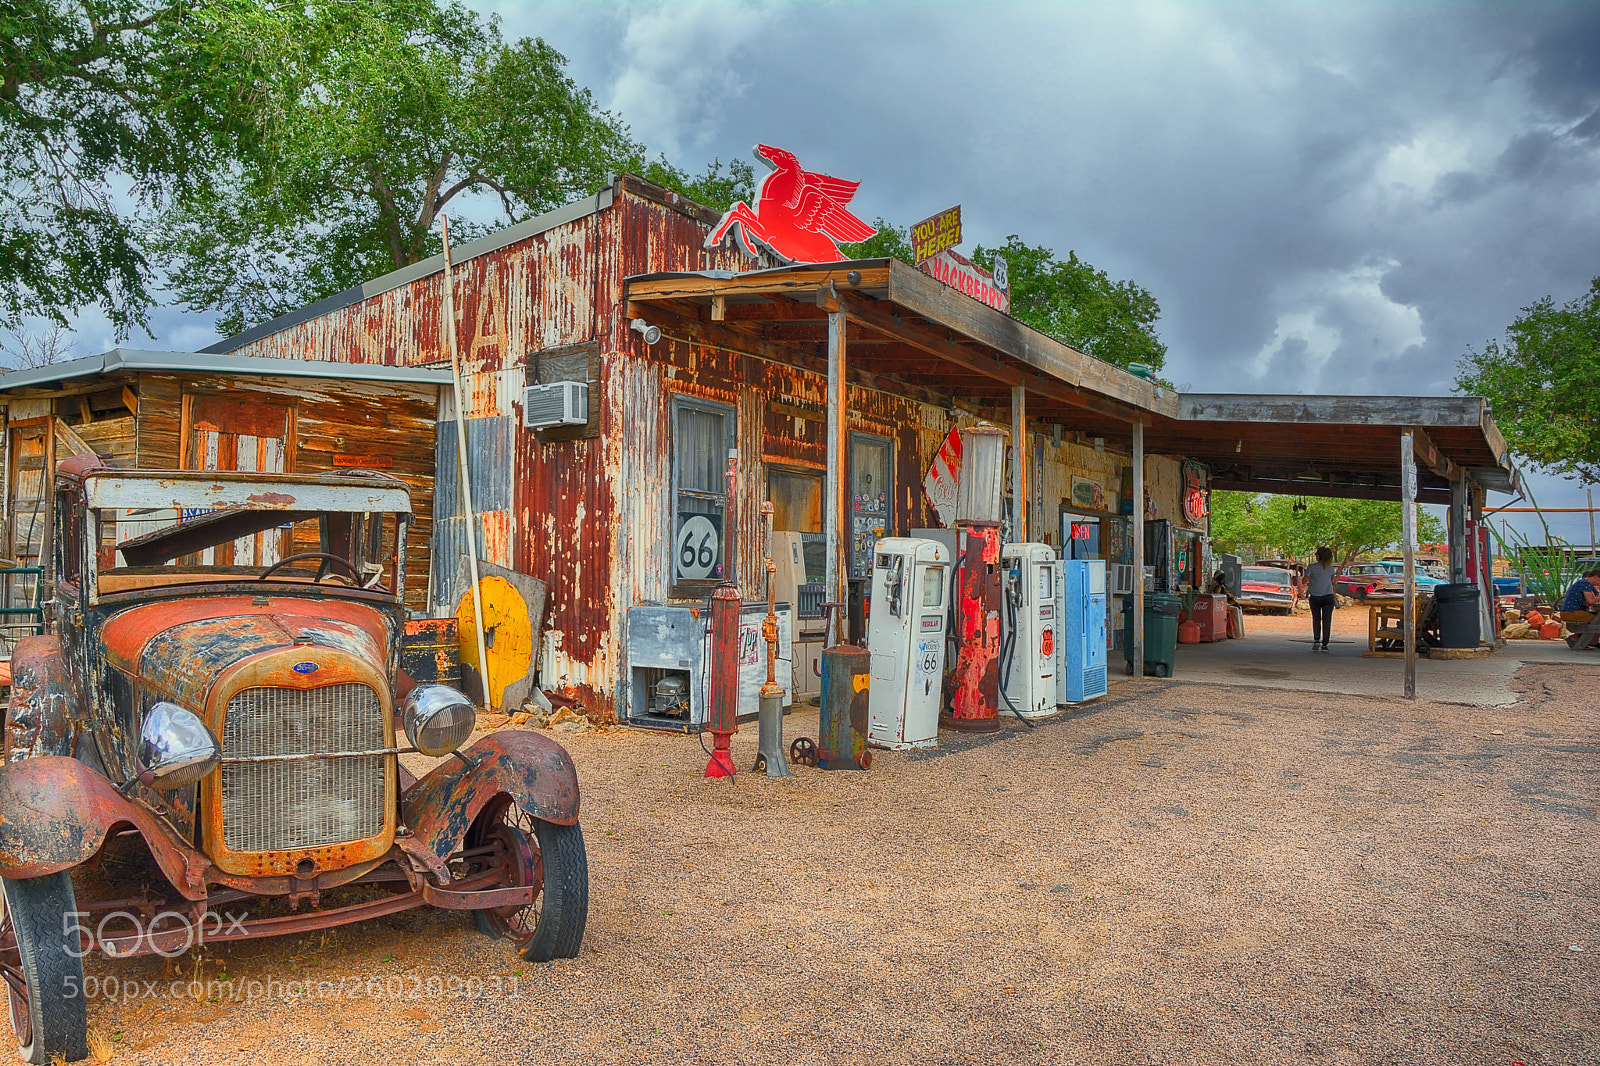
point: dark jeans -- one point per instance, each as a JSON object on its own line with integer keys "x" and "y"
{"x": 1321, "y": 619}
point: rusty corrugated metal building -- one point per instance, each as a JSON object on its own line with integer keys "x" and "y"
{"x": 593, "y": 509}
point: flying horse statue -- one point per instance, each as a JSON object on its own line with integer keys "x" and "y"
{"x": 799, "y": 216}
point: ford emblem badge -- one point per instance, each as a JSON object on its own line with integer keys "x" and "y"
{"x": 305, "y": 668}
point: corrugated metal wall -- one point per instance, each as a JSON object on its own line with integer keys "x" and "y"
{"x": 592, "y": 517}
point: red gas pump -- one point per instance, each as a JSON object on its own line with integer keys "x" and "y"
{"x": 722, "y": 716}
{"x": 975, "y": 699}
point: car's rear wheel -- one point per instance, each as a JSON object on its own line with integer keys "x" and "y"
{"x": 547, "y": 856}
{"x": 45, "y": 989}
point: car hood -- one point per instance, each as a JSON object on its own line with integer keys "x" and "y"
{"x": 178, "y": 647}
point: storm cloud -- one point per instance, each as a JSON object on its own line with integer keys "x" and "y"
{"x": 1323, "y": 197}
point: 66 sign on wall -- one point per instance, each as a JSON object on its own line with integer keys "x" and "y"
{"x": 697, "y": 547}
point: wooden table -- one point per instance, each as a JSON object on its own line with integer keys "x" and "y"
{"x": 1386, "y": 633}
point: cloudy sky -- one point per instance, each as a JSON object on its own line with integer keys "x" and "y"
{"x": 1332, "y": 197}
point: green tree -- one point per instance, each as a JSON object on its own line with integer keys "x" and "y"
{"x": 1271, "y": 525}
{"x": 890, "y": 242}
{"x": 718, "y": 188}
{"x": 100, "y": 93}
{"x": 405, "y": 112}
{"x": 1079, "y": 304}
{"x": 1540, "y": 381}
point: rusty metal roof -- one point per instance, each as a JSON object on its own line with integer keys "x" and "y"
{"x": 135, "y": 359}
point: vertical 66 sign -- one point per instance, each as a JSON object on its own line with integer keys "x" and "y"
{"x": 697, "y": 547}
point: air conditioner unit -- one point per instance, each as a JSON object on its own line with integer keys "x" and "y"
{"x": 564, "y": 403}
{"x": 1121, "y": 579}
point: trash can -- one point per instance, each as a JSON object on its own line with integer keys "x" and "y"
{"x": 1161, "y": 611}
{"x": 1458, "y": 615}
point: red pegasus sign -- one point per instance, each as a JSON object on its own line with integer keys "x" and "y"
{"x": 799, "y": 216}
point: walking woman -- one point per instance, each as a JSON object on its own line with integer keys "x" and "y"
{"x": 1319, "y": 589}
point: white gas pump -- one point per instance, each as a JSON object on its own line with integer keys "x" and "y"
{"x": 906, "y": 634}
{"x": 1028, "y": 630}
{"x": 1081, "y": 637}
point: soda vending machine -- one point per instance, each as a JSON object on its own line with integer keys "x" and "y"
{"x": 1028, "y": 630}
{"x": 906, "y": 634}
{"x": 1081, "y": 665}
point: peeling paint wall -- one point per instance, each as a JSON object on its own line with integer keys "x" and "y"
{"x": 592, "y": 516}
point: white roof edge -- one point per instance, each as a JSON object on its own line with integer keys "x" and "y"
{"x": 137, "y": 359}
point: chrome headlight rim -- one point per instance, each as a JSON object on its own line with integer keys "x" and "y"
{"x": 444, "y": 709}
{"x": 176, "y": 748}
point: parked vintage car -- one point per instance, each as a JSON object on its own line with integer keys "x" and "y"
{"x": 228, "y": 709}
{"x": 1268, "y": 588}
{"x": 1360, "y": 580}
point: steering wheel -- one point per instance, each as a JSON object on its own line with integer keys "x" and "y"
{"x": 324, "y": 556}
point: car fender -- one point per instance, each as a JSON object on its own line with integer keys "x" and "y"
{"x": 55, "y": 813}
{"x": 529, "y": 767}
{"x": 43, "y": 709}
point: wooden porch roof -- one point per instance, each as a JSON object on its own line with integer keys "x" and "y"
{"x": 912, "y": 335}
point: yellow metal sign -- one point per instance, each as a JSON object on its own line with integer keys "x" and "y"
{"x": 933, "y": 235}
{"x": 508, "y": 634}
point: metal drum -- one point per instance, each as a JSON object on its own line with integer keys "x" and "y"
{"x": 842, "y": 740}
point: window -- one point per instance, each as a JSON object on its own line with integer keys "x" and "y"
{"x": 703, "y": 434}
{"x": 871, "y": 498}
{"x": 796, "y": 497}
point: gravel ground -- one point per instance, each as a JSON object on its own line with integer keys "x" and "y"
{"x": 1178, "y": 873}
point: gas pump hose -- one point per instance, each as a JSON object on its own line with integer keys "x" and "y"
{"x": 1009, "y": 654}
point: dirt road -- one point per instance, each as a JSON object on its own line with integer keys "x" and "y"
{"x": 1180, "y": 873}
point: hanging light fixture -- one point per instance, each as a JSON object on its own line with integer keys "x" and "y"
{"x": 1299, "y": 506}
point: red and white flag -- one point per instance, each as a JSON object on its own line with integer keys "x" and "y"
{"x": 943, "y": 477}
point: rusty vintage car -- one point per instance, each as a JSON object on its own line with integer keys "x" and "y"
{"x": 233, "y": 711}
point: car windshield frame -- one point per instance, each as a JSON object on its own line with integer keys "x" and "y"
{"x": 364, "y": 501}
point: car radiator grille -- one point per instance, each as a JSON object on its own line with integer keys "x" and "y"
{"x": 302, "y": 803}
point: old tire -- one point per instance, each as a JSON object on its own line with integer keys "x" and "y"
{"x": 552, "y": 926}
{"x": 52, "y": 1020}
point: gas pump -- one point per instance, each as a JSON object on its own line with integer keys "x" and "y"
{"x": 975, "y": 681}
{"x": 1081, "y": 632}
{"x": 906, "y": 630}
{"x": 1029, "y": 629}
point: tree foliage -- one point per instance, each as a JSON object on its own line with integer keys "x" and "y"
{"x": 105, "y": 105}
{"x": 1079, "y": 304}
{"x": 1269, "y": 526}
{"x": 402, "y": 111}
{"x": 1540, "y": 381}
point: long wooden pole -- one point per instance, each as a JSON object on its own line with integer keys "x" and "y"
{"x": 461, "y": 457}
{"x": 1136, "y": 531}
{"x": 1408, "y": 536}
{"x": 1019, "y": 463}
{"x": 837, "y": 516}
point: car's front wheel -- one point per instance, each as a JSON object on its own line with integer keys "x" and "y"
{"x": 45, "y": 988}
{"x": 547, "y": 856}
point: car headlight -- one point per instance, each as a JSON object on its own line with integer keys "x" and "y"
{"x": 437, "y": 719}
{"x": 175, "y": 748}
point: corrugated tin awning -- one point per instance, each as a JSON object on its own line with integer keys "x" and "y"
{"x": 135, "y": 359}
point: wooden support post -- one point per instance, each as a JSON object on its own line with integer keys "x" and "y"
{"x": 1485, "y": 575}
{"x": 1019, "y": 464}
{"x": 836, "y": 510}
{"x": 1457, "y": 527}
{"x": 1136, "y": 531}
{"x": 1408, "y": 538}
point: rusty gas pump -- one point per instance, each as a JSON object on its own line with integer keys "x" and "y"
{"x": 769, "y": 722}
{"x": 975, "y": 681}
